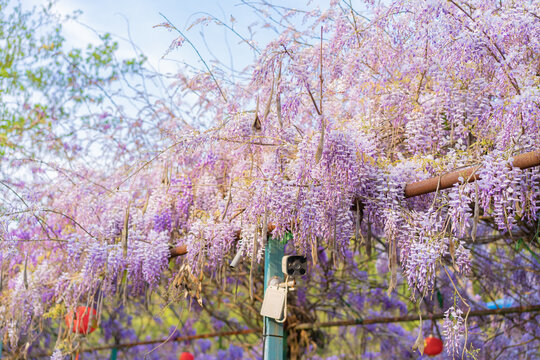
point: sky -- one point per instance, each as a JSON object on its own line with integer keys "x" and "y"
{"x": 132, "y": 23}
{"x": 135, "y": 20}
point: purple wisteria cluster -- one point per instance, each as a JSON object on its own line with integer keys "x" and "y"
{"x": 453, "y": 329}
{"x": 316, "y": 145}
{"x": 500, "y": 186}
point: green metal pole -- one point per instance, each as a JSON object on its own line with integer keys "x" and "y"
{"x": 1, "y": 345}
{"x": 114, "y": 353}
{"x": 273, "y": 335}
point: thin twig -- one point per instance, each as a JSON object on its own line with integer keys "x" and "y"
{"x": 198, "y": 54}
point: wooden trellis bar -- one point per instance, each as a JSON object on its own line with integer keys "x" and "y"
{"x": 522, "y": 161}
{"x": 178, "y": 250}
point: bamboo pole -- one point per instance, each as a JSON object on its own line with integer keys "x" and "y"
{"x": 178, "y": 251}
{"x": 522, "y": 161}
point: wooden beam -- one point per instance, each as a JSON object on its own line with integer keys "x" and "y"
{"x": 178, "y": 250}
{"x": 445, "y": 181}
{"x": 182, "y": 249}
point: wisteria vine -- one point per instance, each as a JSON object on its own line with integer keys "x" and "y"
{"x": 337, "y": 115}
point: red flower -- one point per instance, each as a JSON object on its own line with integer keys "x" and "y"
{"x": 186, "y": 356}
{"x": 85, "y": 321}
{"x": 432, "y": 346}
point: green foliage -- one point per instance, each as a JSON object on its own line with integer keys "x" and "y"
{"x": 46, "y": 88}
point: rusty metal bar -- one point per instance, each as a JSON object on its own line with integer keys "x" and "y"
{"x": 180, "y": 338}
{"x": 304, "y": 326}
{"x": 409, "y": 318}
{"x": 522, "y": 161}
{"x": 160, "y": 341}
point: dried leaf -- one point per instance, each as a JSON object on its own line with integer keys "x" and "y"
{"x": 269, "y": 103}
{"x": 356, "y": 227}
{"x": 476, "y": 215}
{"x": 278, "y": 110}
{"x": 257, "y": 123}
{"x": 25, "y": 274}
{"x": 363, "y": 341}
{"x": 452, "y": 250}
{"x": 314, "y": 254}
{"x": 125, "y": 231}
{"x": 125, "y": 250}
{"x": 334, "y": 245}
{"x": 146, "y": 202}
{"x": 368, "y": 239}
{"x": 359, "y": 218}
{"x": 392, "y": 265}
{"x": 165, "y": 177}
{"x": 265, "y": 226}
{"x": 318, "y": 154}
{"x": 278, "y": 98}
{"x": 228, "y": 201}
{"x": 419, "y": 343}
{"x": 124, "y": 293}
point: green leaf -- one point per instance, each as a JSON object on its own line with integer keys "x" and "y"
{"x": 288, "y": 236}
{"x": 519, "y": 243}
{"x": 440, "y": 298}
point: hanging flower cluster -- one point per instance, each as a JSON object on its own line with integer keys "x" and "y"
{"x": 453, "y": 328}
{"x": 316, "y": 146}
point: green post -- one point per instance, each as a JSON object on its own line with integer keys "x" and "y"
{"x": 273, "y": 335}
{"x": 114, "y": 353}
{"x": 1, "y": 345}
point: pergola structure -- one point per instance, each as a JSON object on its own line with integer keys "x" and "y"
{"x": 274, "y": 331}
{"x": 444, "y": 181}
